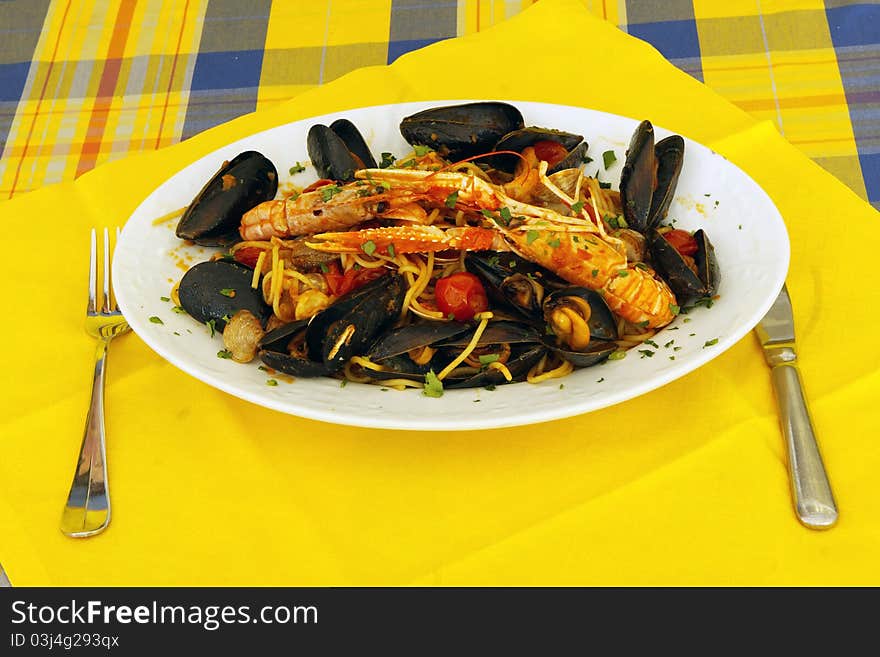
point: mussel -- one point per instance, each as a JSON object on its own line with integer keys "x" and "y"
{"x": 348, "y": 326}
{"x": 330, "y": 155}
{"x": 214, "y": 291}
{"x": 582, "y": 326}
{"x": 691, "y": 278}
{"x": 513, "y": 282}
{"x": 214, "y": 216}
{"x": 649, "y": 177}
{"x": 283, "y": 349}
{"x": 409, "y": 352}
{"x": 574, "y": 146}
{"x": 460, "y": 131}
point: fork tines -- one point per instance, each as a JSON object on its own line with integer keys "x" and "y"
{"x": 108, "y": 304}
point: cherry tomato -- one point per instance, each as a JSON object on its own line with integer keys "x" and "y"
{"x": 318, "y": 184}
{"x": 682, "y": 241}
{"x": 340, "y": 283}
{"x": 461, "y": 295}
{"x": 551, "y": 152}
{"x": 248, "y": 256}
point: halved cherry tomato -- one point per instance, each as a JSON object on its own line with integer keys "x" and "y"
{"x": 318, "y": 184}
{"x": 551, "y": 152}
{"x": 248, "y": 256}
{"x": 682, "y": 241}
{"x": 340, "y": 283}
{"x": 461, "y": 295}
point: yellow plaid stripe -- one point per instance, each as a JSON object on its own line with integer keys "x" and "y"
{"x": 111, "y": 77}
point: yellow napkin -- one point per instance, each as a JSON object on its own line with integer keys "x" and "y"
{"x": 685, "y": 485}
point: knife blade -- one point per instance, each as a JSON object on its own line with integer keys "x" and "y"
{"x": 811, "y": 491}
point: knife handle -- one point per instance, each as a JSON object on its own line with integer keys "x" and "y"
{"x": 813, "y": 500}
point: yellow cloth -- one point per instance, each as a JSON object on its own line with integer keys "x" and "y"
{"x": 685, "y": 485}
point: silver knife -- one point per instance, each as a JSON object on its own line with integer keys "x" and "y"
{"x": 813, "y": 501}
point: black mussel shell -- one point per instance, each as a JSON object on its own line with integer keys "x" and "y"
{"x": 596, "y": 352}
{"x": 519, "y": 140}
{"x": 355, "y": 142}
{"x": 216, "y": 290}
{"x": 277, "y": 339}
{"x": 460, "y": 131}
{"x": 638, "y": 178}
{"x": 601, "y": 321}
{"x": 522, "y": 359}
{"x": 500, "y": 332}
{"x": 348, "y": 327}
{"x": 687, "y": 284}
{"x": 400, "y": 340}
{"x": 214, "y": 216}
{"x": 293, "y": 365}
{"x": 522, "y": 292}
{"x": 669, "y": 154}
{"x": 330, "y": 155}
{"x": 402, "y": 367}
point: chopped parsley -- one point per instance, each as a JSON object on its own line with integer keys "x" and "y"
{"x": 604, "y": 185}
{"x": 451, "y": 200}
{"x": 369, "y": 247}
{"x": 711, "y": 342}
{"x": 554, "y": 243}
{"x": 646, "y": 353}
{"x": 329, "y": 191}
{"x": 156, "y": 320}
{"x": 531, "y": 236}
{"x": 433, "y": 385}
{"x": 391, "y": 250}
{"x": 211, "y": 325}
{"x": 164, "y": 299}
{"x": 608, "y": 158}
{"x": 325, "y": 268}
{"x": 296, "y": 168}
{"x": 228, "y": 292}
{"x": 271, "y": 382}
{"x": 421, "y": 151}
{"x": 489, "y": 358}
{"x": 577, "y": 207}
{"x": 586, "y": 159}
{"x": 617, "y": 355}
{"x": 387, "y": 160}
{"x": 224, "y": 353}
{"x": 595, "y": 273}
{"x": 505, "y": 215}
{"x": 623, "y": 273}
{"x": 674, "y": 309}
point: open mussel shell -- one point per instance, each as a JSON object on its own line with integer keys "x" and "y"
{"x": 460, "y": 131}
{"x": 216, "y": 290}
{"x": 638, "y": 178}
{"x": 573, "y": 303}
{"x": 523, "y": 357}
{"x": 354, "y": 141}
{"x": 330, "y": 155}
{"x": 403, "y": 339}
{"x": 520, "y": 291}
{"x": 275, "y": 351}
{"x": 347, "y": 327}
{"x": 519, "y": 140}
{"x": 688, "y": 283}
{"x": 500, "y": 332}
{"x": 669, "y": 154}
{"x": 596, "y": 352}
{"x": 214, "y": 216}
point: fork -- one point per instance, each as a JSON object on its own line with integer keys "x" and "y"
{"x": 87, "y": 511}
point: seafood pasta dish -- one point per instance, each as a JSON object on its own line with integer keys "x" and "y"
{"x": 483, "y": 256}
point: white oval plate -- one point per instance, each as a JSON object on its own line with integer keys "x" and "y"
{"x": 749, "y": 235}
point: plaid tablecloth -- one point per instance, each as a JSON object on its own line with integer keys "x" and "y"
{"x": 85, "y": 81}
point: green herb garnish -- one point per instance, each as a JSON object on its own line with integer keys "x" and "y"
{"x": 164, "y": 299}
{"x": 387, "y": 160}
{"x": 271, "y": 382}
{"x": 531, "y": 236}
{"x": 391, "y": 250}
{"x": 224, "y": 353}
{"x": 156, "y": 320}
{"x": 433, "y": 385}
{"x": 617, "y": 355}
{"x": 211, "y": 325}
{"x": 577, "y": 207}
{"x": 711, "y": 342}
{"x": 228, "y": 292}
{"x": 609, "y": 158}
{"x": 505, "y": 215}
{"x": 421, "y": 151}
{"x": 329, "y": 191}
{"x": 369, "y": 247}
{"x": 296, "y": 168}
{"x": 489, "y": 358}
{"x": 451, "y": 200}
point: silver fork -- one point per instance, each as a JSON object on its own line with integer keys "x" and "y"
{"x": 87, "y": 511}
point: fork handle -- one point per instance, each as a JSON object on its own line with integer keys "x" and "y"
{"x": 87, "y": 511}
{"x": 814, "y": 502}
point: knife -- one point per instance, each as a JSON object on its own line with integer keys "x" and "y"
{"x": 813, "y": 500}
